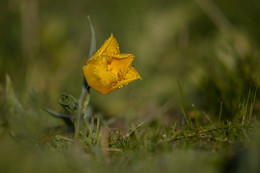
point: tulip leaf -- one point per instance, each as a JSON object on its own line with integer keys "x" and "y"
{"x": 93, "y": 39}
{"x": 11, "y": 97}
{"x": 56, "y": 114}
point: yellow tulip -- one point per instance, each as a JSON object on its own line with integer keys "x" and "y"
{"x": 108, "y": 70}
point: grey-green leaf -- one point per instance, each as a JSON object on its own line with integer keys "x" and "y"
{"x": 93, "y": 39}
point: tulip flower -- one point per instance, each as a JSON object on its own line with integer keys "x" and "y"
{"x": 108, "y": 69}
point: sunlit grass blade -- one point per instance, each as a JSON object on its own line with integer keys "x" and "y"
{"x": 252, "y": 103}
{"x": 134, "y": 129}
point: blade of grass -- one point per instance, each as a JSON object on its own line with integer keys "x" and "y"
{"x": 252, "y": 103}
{"x": 195, "y": 115}
{"x": 220, "y": 111}
{"x": 183, "y": 106}
{"x": 185, "y": 117}
{"x": 134, "y": 129}
{"x": 97, "y": 130}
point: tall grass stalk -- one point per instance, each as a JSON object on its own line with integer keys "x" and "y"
{"x": 183, "y": 107}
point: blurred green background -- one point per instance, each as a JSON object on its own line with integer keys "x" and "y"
{"x": 199, "y": 55}
{"x": 210, "y": 47}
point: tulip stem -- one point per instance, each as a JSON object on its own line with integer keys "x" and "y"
{"x": 85, "y": 96}
{"x": 83, "y": 103}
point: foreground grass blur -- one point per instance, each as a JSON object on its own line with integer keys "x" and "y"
{"x": 221, "y": 146}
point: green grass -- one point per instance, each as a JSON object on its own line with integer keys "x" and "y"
{"x": 198, "y": 145}
{"x": 153, "y": 147}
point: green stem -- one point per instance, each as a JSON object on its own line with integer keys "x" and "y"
{"x": 85, "y": 96}
{"x": 83, "y": 103}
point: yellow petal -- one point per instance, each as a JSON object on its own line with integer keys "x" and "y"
{"x": 100, "y": 61}
{"x": 121, "y": 56}
{"x": 131, "y": 76}
{"x": 99, "y": 79}
{"x": 109, "y": 47}
{"x": 120, "y": 64}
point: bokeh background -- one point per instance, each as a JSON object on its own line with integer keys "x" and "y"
{"x": 207, "y": 50}
{"x": 198, "y": 57}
